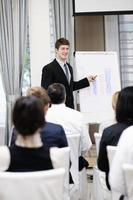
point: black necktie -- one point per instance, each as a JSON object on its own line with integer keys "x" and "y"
{"x": 66, "y": 72}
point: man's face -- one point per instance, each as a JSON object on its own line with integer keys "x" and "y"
{"x": 62, "y": 52}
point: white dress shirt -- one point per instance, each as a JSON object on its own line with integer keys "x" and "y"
{"x": 62, "y": 66}
{"x": 124, "y": 154}
{"x": 72, "y": 122}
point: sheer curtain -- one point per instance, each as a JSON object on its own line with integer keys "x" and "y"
{"x": 13, "y": 32}
{"x": 62, "y": 22}
{"x": 126, "y": 49}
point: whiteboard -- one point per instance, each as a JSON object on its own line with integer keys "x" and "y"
{"x": 95, "y": 101}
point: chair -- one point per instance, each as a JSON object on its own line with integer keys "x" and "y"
{"x": 64, "y": 157}
{"x": 99, "y": 188}
{"x": 97, "y": 137}
{"x": 100, "y": 191}
{"x": 111, "y": 152}
{"x": 74, "y": 144}
{"x": 128, "y": 177}
{"x": 38, "y": 185}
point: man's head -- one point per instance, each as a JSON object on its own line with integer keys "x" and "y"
{"x": 62, "y": 49}
{"x": 57, "y": 93}
{"x": 41, "y": 94}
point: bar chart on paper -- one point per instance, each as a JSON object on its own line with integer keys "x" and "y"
{"x": 95, "y": 101}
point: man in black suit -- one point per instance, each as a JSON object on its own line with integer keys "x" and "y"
{"x": 59, "y": 71}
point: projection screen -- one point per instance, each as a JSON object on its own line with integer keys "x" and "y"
{"x": 103, "y": 6}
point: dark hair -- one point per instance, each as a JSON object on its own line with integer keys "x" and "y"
{"x": 40, "y": 93}
{"x": 124, "y": 106}
{"x": 28, "y": 115}
{"x": 61, "y": 41}
{"x": 57, "y": 93}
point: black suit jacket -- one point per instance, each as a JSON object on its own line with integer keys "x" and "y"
{"x": 52, "y": 135}
{"x": 110, "y": 136}
{"x": 53, "y": 73}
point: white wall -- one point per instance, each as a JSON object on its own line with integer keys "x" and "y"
{"x": 39, "y": 31}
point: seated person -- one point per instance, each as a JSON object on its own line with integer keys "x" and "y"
{"x": 111, "y": 121}
{"x": 28, "y": 153}
{"x": 124, "y": 154}
{"x": 111, "y": 135}
{"x": 52, "y": 135}
{"x": 70, "y": 119}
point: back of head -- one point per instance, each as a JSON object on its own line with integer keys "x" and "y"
{"x": 57, "y": 93}
{"x": 40, "y": 93}
{"x": 61, "y": 41}
{"x": 114, "y": 99}
{"x": 124, "y": 106}
{"x": 28, "y": 115}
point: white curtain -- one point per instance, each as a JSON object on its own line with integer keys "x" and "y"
{"x": 62, "y": 18}
{"x": 13, "y": 32}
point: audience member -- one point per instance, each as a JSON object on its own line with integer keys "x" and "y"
{"x": 28, "y": 153}
{"x": 71, "y": 120}
{"x": 52, "y": 135}
{"x": 111, "y": 121}
{"x": 111, "y": 135}
{"x": 124, "y": 153}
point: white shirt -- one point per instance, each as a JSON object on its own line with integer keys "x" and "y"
{"x": 72, "y": 122}
{"x": 62, "y": 66}
{"x": 124, "y": 154}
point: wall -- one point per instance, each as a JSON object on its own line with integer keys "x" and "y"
{"x": 89, "y": 33}
{"x": 39, "y": 32}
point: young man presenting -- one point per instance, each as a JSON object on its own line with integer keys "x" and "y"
{"x": 59, "y": 71}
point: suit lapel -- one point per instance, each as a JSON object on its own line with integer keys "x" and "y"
{"x": 60, "y": 72}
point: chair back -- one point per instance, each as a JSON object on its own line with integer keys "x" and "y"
{"x": 111, "y": 152}
{"x": 38, "y": 185}
{"x": 65, "y": 160}
{"x": 128, "y": 177}
{"x": 97, "y": 137}
{"x": 74, "y": 144}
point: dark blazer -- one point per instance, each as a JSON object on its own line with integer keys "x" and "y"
{"x": 53, "y": 73}
{"x": 52, "y": 135}
{"x": 111, "y": 137}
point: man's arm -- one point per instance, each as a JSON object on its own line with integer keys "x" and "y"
{"x": 63, "y": 139}
{"x": 47, "y": 78}
{"x": 77, "y": 85}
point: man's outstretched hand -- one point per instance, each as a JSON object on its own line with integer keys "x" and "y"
{"x": 91, "y": 78}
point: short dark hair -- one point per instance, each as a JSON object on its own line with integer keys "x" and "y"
{"x": 61, "y": 41}
{"x": 40, "y": 93}
{"x": 57, "y": 93}
{"x": 124, "y": 106}
{"x": 28, "y": 115}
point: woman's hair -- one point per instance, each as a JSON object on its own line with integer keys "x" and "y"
{"x": 28, "y": 115}
{"x": 40, "y": 93}
{"x": 114, "y": 99}
{"x": 124, "y": 106}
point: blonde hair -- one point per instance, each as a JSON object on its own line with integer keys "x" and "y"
{"x": 114, "y": 99}
{"x": 40, "y": 93}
